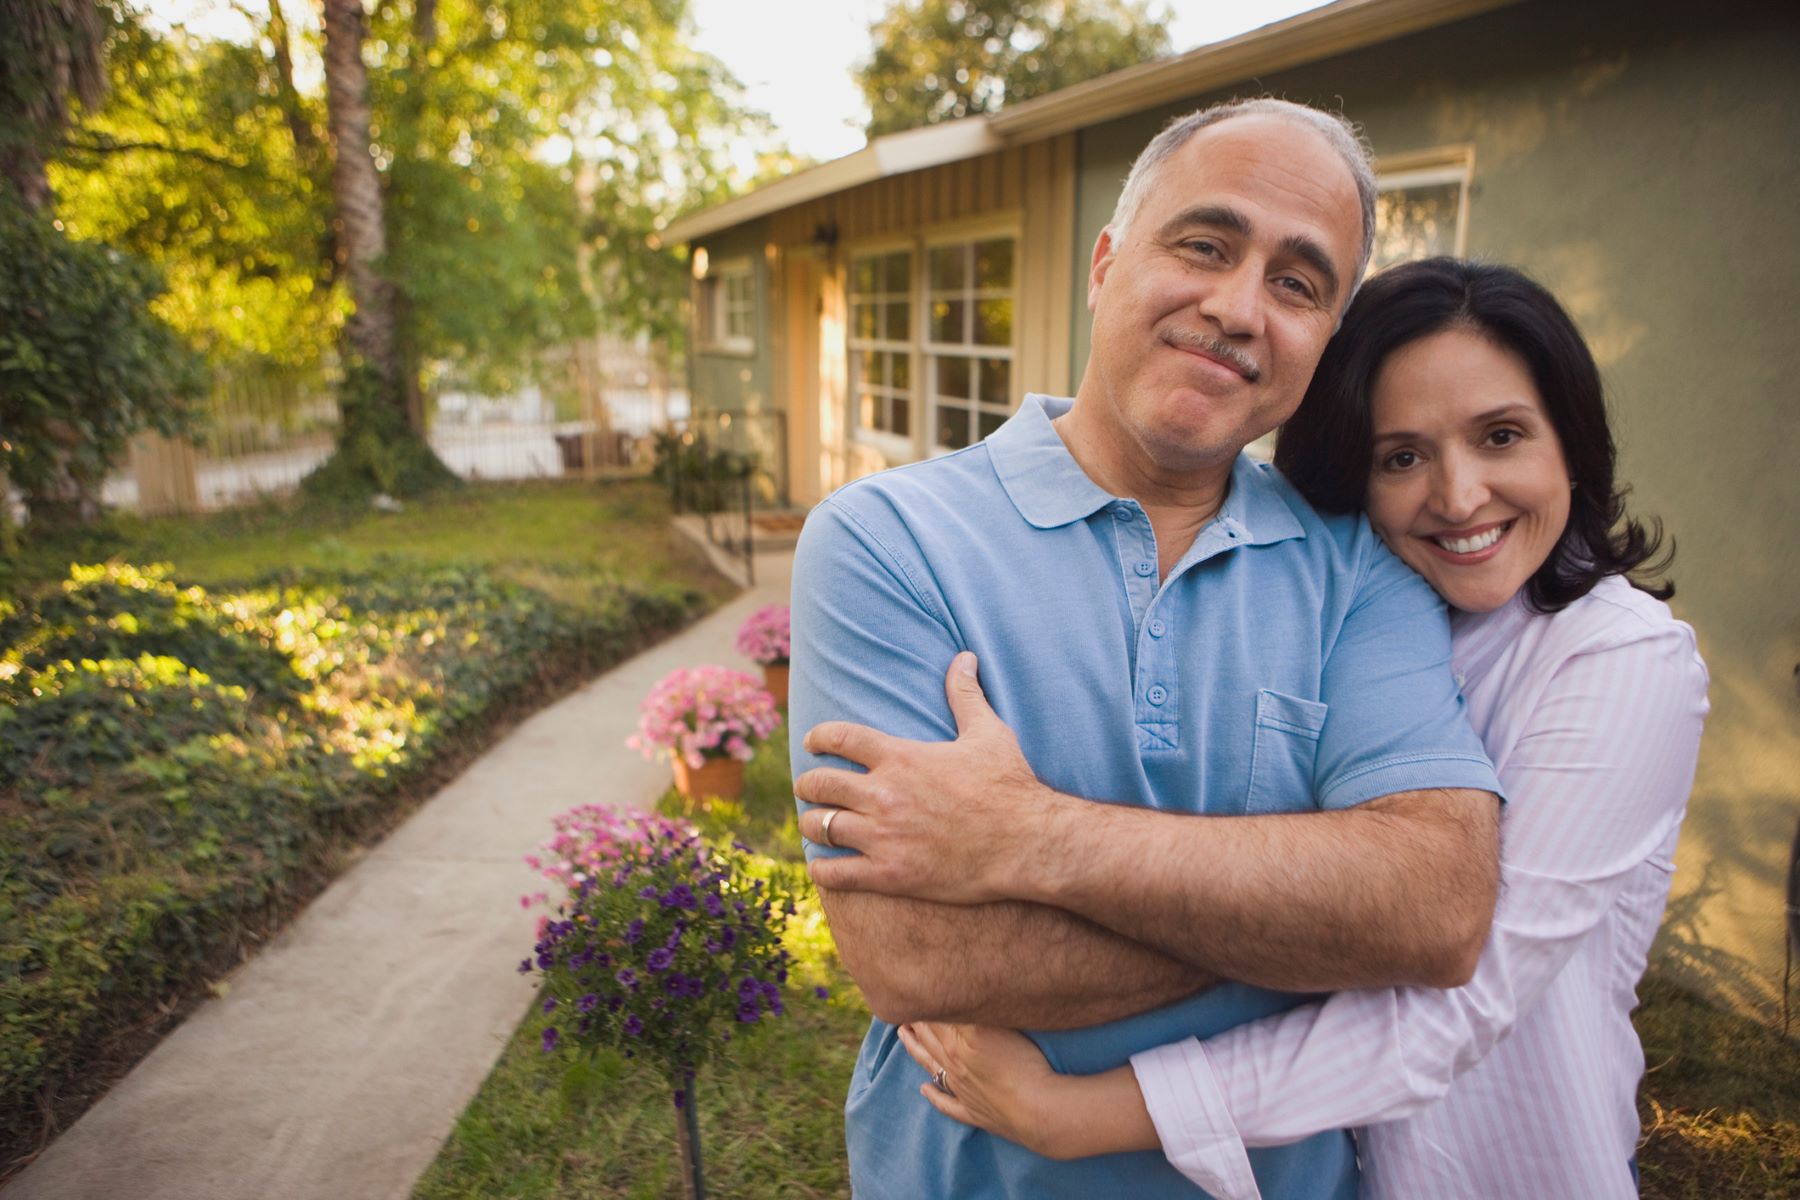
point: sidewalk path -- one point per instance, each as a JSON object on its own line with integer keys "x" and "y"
{"x": 339, "y": 1059}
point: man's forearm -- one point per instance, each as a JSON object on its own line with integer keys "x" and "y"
{"x": 1397, "y": 891}
{"x": 1012, "y": 964}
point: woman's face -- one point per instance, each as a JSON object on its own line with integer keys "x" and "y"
{"x": 1468, "y": 486}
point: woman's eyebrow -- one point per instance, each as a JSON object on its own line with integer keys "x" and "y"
{"x": 1502, "y": 413}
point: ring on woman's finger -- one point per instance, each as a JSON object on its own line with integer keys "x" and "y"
{"x": 825, "y": 829}
{"x": 942, "y": 1081}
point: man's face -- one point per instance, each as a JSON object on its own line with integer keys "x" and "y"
{"x": 1212, "y": 308}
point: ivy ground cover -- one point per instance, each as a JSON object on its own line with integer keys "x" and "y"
{"x": 201, "y": 721}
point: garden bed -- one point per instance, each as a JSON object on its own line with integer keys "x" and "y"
{"x": 190, "y": 751}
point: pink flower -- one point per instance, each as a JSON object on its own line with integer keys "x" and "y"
{"x": 693, "y": 711}
{"x": 764, "y": 636}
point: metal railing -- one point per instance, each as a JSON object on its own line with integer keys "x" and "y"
{"x": 722, "y": 466}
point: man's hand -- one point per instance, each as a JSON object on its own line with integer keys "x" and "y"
{"x": 931, "y": 820}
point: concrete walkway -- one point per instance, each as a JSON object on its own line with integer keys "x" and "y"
{"x": 338, "y": 1060}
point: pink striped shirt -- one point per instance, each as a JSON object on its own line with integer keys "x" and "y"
{"x": 1523, "y": 1082}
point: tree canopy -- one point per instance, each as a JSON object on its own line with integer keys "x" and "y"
{"x": 935, "y": 60}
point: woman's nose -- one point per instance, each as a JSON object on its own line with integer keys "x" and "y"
{"x": 1458, "y": 491}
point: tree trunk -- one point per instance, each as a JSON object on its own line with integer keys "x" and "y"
{"x": 369, "y": 335}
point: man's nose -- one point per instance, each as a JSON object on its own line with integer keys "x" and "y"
{"x": 1234, "y": 300}
{"x": 1458, "y": 489}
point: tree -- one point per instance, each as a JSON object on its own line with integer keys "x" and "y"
{"x": 53, "y": 50}
{"x": 84, "y": 362}
{"x": 935, "y": 60}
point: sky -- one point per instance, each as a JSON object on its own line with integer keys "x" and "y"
{"x": 794, "y": 57}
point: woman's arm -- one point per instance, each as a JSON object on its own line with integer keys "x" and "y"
{"x": 1596, "y": 783}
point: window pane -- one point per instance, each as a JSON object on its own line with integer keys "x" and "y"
{"x": 993, "y": 322}
{"x": 902, "y": 417}
{"x": 990, "y": 422}
{"x": 865, "y": 411}
{"x": 994, "y": 264}
{"x": 996, "y": 382}
{"x": 899, "y": 328}
{"x": 953, "y": 378}
{"x": 953, "y": 427}
{"x": 949, "y": 268}
{"x": 902, "y": 366}
{"x": 1416, "y": 222}
{"x": 947, "y": 321}
{"x": 864, "y": 274}
{"x": 868, "y": 368}
{"x": 737, "y": 323}
{"x": 898, "y": 273}
{"x": 862, "y": 320}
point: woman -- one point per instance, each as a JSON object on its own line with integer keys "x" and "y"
{"x": 1460, "y": 407}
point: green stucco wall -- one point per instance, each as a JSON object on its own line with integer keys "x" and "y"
{"x": 1643, "y": 161}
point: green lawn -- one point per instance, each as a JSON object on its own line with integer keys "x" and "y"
{"x": 1721, "y": 1103}
{"x": 188, "y": 751}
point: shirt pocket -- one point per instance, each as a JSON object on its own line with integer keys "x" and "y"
{"x": 1285, "y": 752}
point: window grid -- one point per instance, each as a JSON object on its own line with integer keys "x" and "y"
{"x": 881, "y": 337}
{"x": 969, "y": 310}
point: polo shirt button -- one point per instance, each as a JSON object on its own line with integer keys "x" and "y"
{"x": 1157, "y": 628}
{"x": 1146, "y": 567}
{"x": 1122, "y": 511}
{"x": 1157, "y": 694}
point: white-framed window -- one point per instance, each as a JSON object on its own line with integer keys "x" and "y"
{"x": 727, "y": 306}
{"x": 969, "y": 308}
{"x": 931, "y": 341}
{"x": 1421, "y": 205}
{"x": 881, "y": 342}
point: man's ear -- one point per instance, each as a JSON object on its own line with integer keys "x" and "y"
{"x": 1102, "y": 263}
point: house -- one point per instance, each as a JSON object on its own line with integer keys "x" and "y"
{"x": 1640, "y": 157}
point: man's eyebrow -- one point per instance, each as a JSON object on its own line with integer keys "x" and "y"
{"x": 1217, "y": 216}
{"x": 1313, "y": 255}
{"x": 1223, "y": 216}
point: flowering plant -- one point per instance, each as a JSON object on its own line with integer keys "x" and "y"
{"x": 696, "y": 713}
{"x": 764, "y": 636}
{"x": 663, "y": 945}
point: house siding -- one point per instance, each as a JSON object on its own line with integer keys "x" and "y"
{"x": 1641, "y": 162}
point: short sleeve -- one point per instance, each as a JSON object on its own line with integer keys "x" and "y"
{"x": 871, "y": 644}
{"x": 1396, "y": 718}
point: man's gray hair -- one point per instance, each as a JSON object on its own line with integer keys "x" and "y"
{"x": 1335, "y": 129}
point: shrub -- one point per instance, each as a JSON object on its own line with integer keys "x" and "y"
{"x": 84, "y": 363}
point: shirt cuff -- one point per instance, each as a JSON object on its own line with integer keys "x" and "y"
{"x": 1198, "y": 1135}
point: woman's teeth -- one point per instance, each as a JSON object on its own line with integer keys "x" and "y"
{"x": 1470, "y": 545}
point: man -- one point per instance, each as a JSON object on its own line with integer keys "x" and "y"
{"x": 1165, "y": 625}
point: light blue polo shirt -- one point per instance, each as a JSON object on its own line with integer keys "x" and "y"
{"x": 1288, "y": 662}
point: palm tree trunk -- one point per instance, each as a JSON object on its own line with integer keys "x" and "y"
{"x": 356, "y": 191}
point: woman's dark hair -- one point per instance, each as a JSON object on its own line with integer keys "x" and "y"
{"x": 1326, "y": 448}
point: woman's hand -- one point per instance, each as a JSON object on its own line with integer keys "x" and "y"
{"x": 999, "y": 1081}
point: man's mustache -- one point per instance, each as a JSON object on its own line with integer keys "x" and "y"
{"x": 1212, "y": 347}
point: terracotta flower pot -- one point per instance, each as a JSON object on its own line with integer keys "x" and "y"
{"x": 721, "y": 777}
{"x": 775, "y": 679}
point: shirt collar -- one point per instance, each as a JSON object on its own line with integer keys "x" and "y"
{"x": 1049, "y": 488}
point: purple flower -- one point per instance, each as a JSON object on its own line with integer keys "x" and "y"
{"x": 603, "y": 959}
{"x": 660, "y": 959}
{"x": 714, "y": 905}
{"x": 748, "y": 1012}
{"x": 627, "y": 977}
{"x": 549, "y": 1003}
{"x": 633, "y": 1025}
{"x": 680, "y": 1098}
{"x": 634, "y": 932}
{"x": 748, "y": 989}
{"x": 550, "y": 1039}
{"x": 546, "y": 960}
{"x": 590, "y": 1002}
{"x": 728, "y": 937}
{"x": 714, "y": 946}
{"x": 822, "y": 993}
{"x": 525, "y": 966}
{"x": 680, "y": 896}
{"x": 648, "y": 892}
